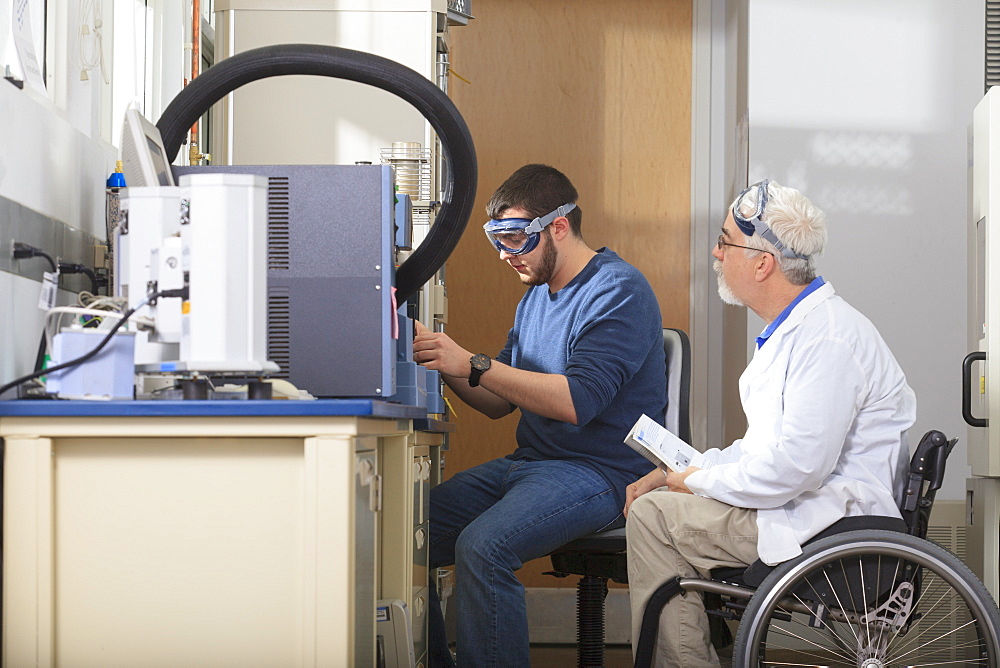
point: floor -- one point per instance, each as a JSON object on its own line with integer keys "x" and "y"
{"x": 560, "y": 656}
{"x": 563, "y": 656}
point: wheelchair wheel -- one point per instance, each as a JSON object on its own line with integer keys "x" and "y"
{"x": 870, "y": 599}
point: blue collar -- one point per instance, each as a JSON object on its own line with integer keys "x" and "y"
{"x": 769, "y": 330}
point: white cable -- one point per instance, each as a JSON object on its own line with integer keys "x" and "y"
{"x": 74, "y": 310}
{"x": 95, "y": 11}
{"x": 83, "y": 7}
{"x": 86, "y": 299}
{"x": 99, "y": 31}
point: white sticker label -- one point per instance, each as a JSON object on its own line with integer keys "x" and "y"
{"x": 24, "y": 44}
{"x": 50, "y": 285}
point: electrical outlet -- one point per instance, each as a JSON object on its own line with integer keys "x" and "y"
{"x": 100, "y": 256}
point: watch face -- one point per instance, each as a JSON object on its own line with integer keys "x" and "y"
{"x": 480, "y": 362}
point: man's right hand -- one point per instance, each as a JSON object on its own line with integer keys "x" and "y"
{"x": 646, "y": 483}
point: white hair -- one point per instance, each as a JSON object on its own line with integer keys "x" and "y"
{"x": 797, "y": 223}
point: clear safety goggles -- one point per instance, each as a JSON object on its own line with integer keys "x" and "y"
{"x": 517, "y": 236}
{"x": 751, "y": 224}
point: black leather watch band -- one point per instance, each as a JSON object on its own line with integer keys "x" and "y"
{"x": 479, "y": 363}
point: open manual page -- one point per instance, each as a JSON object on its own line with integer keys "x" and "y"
{"x": 662, "y": 447}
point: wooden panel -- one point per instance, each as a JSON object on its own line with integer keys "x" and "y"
{"x": 602, "y": 91}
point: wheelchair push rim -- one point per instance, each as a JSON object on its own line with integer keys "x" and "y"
{"x": 940, "y": 613}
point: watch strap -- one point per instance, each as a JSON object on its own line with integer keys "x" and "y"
{"x": 476, "y": 372}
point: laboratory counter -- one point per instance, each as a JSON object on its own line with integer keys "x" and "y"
{"x": 222, "y": 532}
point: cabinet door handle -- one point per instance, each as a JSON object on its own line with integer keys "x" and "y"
{"x": 418, "y": 606}
{"x": 365, "y": 472}
{"x": 971, "y": 420}
{"x": 375, "y": 498}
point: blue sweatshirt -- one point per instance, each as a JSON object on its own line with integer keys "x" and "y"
{"x": 604, "y": 333}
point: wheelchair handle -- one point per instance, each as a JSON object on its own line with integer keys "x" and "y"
{"x": 971, "y": 420}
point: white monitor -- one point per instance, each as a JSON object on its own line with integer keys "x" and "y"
{"x": 144, "y": 160}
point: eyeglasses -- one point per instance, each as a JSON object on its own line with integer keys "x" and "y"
{"x": 723, "y": 243}
{"x": 517, "y": 236}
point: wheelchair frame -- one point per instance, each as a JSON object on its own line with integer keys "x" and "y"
{"x": 864, "y": 622}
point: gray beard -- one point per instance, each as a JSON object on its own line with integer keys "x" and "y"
{"x": 725, "y": 292}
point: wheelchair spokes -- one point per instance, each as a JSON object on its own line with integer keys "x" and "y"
{"x": 871, "y": 606}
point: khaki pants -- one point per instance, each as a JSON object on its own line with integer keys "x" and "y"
{"x": 672, "y": 534}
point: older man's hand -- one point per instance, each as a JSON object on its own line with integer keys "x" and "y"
{"x": 675, "y": 481}
{"x": 647, "y": 483}
{"x": 655, "y": 479}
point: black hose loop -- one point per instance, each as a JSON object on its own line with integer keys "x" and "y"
{"x": 316, "y": 59}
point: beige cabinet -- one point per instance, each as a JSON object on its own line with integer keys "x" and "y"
{"x": 199, "y": 540}
{"x": 406, "y": 468}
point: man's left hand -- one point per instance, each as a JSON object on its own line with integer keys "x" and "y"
{"x": 437, "y": 350}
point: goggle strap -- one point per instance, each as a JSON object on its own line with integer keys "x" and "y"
{"x": 759, "y": 225}
{"x": 540, "y": 223}
{"x": 767, "y": 233}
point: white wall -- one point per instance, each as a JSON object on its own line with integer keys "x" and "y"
{"x": 865, "y": 105}
{"x": 54, "y": 163}
{"x": 58, "y": 143}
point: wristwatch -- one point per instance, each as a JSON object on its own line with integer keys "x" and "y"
{"x": 480, "y": 363}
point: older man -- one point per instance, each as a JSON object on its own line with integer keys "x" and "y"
{"x": 827, "y": 407}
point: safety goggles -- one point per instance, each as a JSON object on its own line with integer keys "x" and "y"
{"x": 751, "y": 224}
{"x": 517, "y": 236}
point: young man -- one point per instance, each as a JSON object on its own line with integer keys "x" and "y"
{"x": 827, "y": 411}
{"x": 583, "y": 359}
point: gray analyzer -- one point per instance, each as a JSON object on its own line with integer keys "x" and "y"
{"x": 330, "y": 275}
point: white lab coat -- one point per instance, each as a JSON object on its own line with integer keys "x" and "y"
{"x": 828, "y": 409}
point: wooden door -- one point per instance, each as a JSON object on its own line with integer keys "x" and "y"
{"x": 601, "y": 90}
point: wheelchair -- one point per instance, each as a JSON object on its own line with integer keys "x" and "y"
{"x": 869, "y": 592}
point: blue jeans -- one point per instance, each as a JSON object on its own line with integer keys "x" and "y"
{"x": 488, "y": 521}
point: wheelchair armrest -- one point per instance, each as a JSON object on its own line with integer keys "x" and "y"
{"x": 927, "y": 464}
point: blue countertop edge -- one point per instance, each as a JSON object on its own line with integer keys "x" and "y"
{"x": 211, "y": 408}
